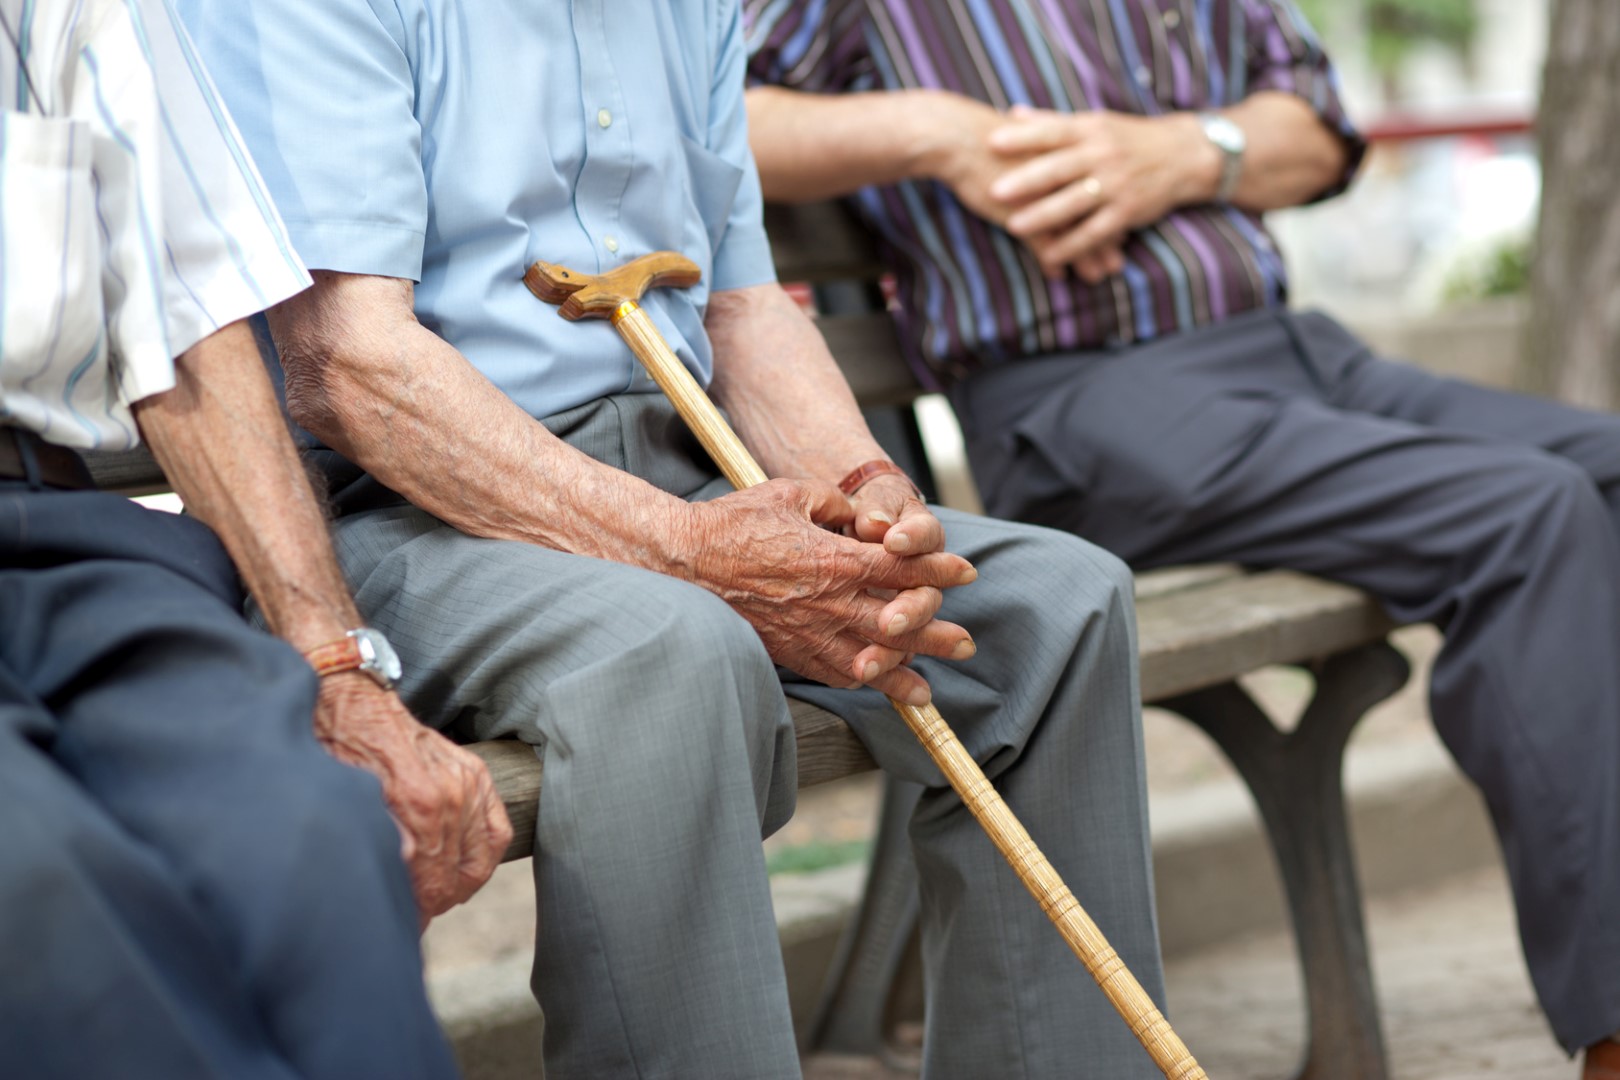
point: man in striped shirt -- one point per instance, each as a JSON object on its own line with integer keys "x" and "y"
{"x": 190, "y": 884}
{"x": 1070, "y": 194}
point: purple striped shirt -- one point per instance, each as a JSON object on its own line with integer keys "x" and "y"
{"x": 969, "y": 293}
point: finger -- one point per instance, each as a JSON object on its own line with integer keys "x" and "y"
{"x": 940, "y": 569}
{"x": 923, "y": 636}
{"x": 1061, "y": 208}
{"x": 909, "y": 610}
{"x": 1093, "y": 236}
{"x": 904, "y": 684}
{"x": 878, "y": 506}
{"x": 1034, "y": 131}
{"x": 824, "y": 504}
{"x": 918, "y": 532}
{"x": 1044, "y": 174}
{"x": 875, "y": 661}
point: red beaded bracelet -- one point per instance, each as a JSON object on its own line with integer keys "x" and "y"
{"x": 859, "y": 475}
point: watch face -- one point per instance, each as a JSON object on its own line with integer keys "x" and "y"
{"x": 1224, "y": 134}
{"x": 377, "y": 657}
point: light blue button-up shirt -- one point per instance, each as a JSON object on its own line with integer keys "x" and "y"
{"x": 453, "y": 142}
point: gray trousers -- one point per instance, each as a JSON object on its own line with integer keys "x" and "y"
{"x": 1278, "y": 440}
{"x": 668, "y": 753}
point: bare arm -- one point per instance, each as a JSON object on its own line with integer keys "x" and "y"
{"x": 1029, "y": 171}
{"x": 223, "y": 444}
{"x": 393, "y": 397}
{"x": 819, "y": 146}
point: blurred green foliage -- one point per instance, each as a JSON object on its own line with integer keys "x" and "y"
{"x": 1395, "y": 27}
{"x": 1503, "y": 270}
{"x": 816, "y": 855}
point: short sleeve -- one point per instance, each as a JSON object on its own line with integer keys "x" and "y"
{"x": 817, "y": 46}
{"x": 191, "y": 240}
{"x": 742, "y": 257}
{"x": 1284, "y": 54}
{"x": 324, "y": 96}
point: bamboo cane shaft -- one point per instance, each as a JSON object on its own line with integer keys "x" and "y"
{"x": 960, "y": 770}
{"x": 700, "y": 414}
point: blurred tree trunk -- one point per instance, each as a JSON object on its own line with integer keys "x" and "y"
{"x": 1573, "y": 345}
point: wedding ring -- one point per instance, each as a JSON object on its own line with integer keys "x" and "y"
{"x": 1091, "y": 186}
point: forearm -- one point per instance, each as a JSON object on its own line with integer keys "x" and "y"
{"x": 222, "y": 442}
{"x": 1291, "y": 155}
{"x": 374, "y": 384}
{"x": 818, "y": 146}
{"x": 782, "y": 389}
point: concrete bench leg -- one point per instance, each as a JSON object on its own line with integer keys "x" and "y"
{"x": 1296, "y": 779}
{"x": 853, "y": 1015}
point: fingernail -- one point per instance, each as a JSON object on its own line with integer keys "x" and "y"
{"x": 870, "y": 671}
{"x": 899, "y": 542}
{"x": 968, "y": 576}
{"x": 918, "y": 696}
{"x": 880, "y": 517}
{"x": 964, "y": 649}
{"x": 899, "y": 625}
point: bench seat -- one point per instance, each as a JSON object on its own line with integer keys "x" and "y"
{"x": 1197, "y": 626}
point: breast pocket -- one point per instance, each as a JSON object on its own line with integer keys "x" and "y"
{"x": 52, "y": 344}
{"x": 712, "y": 184}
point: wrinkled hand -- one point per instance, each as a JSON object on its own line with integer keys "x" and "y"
{"x": 452, "y": 825}
{"x": 842, "y": 610}
{"x": 1087, "y": 179}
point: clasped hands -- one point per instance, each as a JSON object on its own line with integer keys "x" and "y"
{"x": 843, "y": 591}
{"x": 1071, "y": 186}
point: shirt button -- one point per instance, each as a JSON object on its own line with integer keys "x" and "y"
{"x": 1172, "y": 19}
{"x": 611, "y": 243}
{"x": 1143, "y": 74}
{"x": 604, "y": 118}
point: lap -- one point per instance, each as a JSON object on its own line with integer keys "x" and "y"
{"x": 1281, "y": 441}
{"x": 492, "y": 630}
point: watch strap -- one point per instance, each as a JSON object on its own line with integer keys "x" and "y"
{"x": 871, "y": 470}
{"x": 335, "y": 656}
{"x": 1221, "y": 132}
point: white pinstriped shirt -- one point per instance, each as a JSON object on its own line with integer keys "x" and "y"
{"x": 133, "y": 224}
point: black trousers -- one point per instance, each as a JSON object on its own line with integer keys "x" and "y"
{"x": 1279, "y": 440}
{"x": 189, "y": 885}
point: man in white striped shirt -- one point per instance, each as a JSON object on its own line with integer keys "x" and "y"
{"x": 189, "y": 885}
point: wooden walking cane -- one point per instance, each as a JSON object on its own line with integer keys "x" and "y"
{"x": 614, "y": 296}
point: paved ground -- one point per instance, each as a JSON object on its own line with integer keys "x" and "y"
{"x": 1457, "y": 1003}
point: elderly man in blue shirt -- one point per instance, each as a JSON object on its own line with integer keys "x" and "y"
{"x": 554, "y": 558}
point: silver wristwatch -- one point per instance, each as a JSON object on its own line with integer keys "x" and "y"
{"x": 1231, "y": 142}
{"x": 359, "y": 650}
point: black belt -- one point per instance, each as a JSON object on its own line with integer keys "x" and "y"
{"x": 54, "y": 465}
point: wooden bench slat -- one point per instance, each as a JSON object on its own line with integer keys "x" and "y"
{"x": 1152, "y": 584}
{"x": 1199, "y": 637}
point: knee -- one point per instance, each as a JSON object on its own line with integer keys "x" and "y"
{"x": 1070, "y": 578}
{"x": 1551, "y": 502}
{"x": 313, "y": 819}
{"x": 697, "y": 659}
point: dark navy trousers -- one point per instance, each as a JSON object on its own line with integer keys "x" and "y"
{"x": 1279, "y": 440}
{"x": 189, "y": 885}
